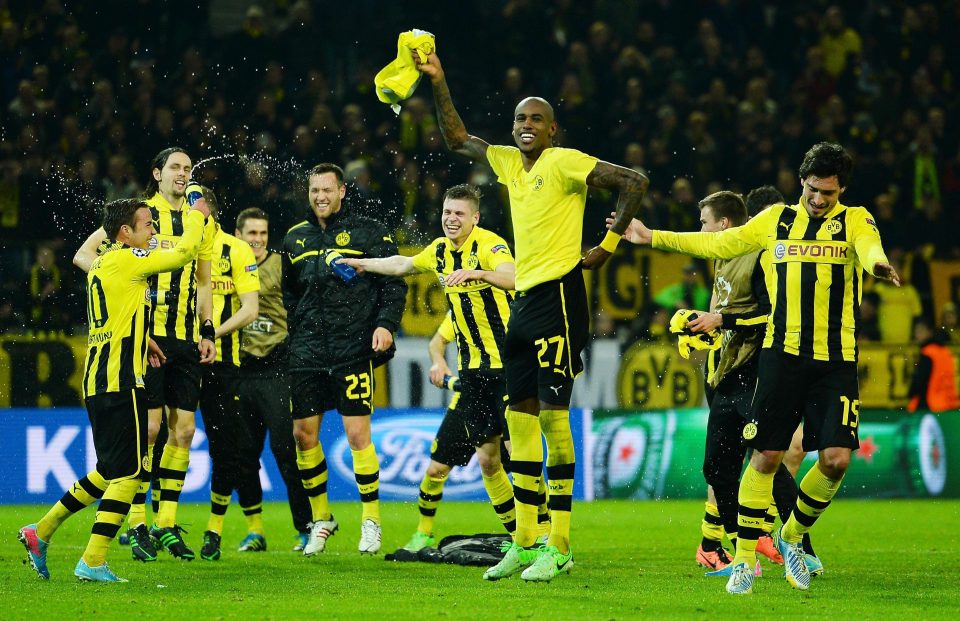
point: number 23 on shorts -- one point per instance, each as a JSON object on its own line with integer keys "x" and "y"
{"x": 355, "y": 381}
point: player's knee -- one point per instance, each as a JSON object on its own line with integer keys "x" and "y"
{"x": 153, "y": 430}
{"x": 184, "y": 433}
{"x": 436, "y": 470}
{"x": 304, "y": 437}
{"x": 834, "y": 464}
{"x": 489, "y": 464}
{"x": 358, "y": 439}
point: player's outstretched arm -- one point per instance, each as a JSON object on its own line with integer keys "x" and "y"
{"x": 451, "y": 125}
{"x": 632, "y": 186}
{"x": 397, "y": 265}
{"x": 88, "y": 251}
{"x": 504, "y": 276}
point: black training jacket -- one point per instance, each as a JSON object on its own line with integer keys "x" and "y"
{"x": 331, "y": 322}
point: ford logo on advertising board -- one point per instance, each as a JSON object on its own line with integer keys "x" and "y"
{"x": 403, "y": 448}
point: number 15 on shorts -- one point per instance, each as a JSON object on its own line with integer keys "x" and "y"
{"x": 851, "y": 412}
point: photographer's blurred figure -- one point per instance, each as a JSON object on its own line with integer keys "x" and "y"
{"x": 934, "y": 383}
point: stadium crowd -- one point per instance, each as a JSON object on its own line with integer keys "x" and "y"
{"x": 701, "y": 96}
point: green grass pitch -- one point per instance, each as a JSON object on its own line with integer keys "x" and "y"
{"x": 885, "y": 559}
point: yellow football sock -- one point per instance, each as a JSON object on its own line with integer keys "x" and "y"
{"x": 313, "y": 472}
{"x": 526, "y": 463}
{"x": 110, "y": 515}
{"x": 816, "y": 492}
{"x": 561, "y": 465}
{"x": 712, "y": 526}
{"x": 755, "y": 496}
{"x": 173, "y": 470}
{"x": 81, "y": 494}
{"x": 431, "y": 493}
{"x": 500, "y": 492}
{"x": 366, "y": 470}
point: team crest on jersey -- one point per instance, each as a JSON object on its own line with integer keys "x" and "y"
{"x": 343, "y": 238}
{"x": 750, "y": 431}
{"x": 223, "y": 265}
{"x": 833, "y": 226}
{"x": 473, "y": 262}
{"x": 537, "y": 183}
{"x": 145, "y": 463}
{"x": 140, "y": 252}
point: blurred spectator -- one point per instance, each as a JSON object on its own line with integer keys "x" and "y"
{"x": 869, "y": 325}
{"x": 45, "y": 288}
{"x": 119, "y": 181}
{"x": 899, "y": 307}
{"x": 762, "y": 197}
{"x": 949, "y": 322}
{"x": 688, "y": 293}
{"x": 839, "y": 42}
{"x": 933, "y": 386}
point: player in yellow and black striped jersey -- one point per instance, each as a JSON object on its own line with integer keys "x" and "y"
{"x": 818, "y": 249}
{"x": 549, "y": 322}
{"x": 476, "y": 269}
{"x": 113, "y": 380}
{"x": 180, "y": 302}
{"x": 236, "y": 286}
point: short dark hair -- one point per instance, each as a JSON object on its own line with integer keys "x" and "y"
{"x": 464, "y": 192}
{"x": 826, "y": 159}
{"x": 726, "y": 204}
{"x": 212, "y": 202}
{"x": 760, "y": 198}
{"x": 119, "y": 212}
{"x": 251, "y": 213}
{"x": 159, "y": 161}
{"x": 324, "y": 168}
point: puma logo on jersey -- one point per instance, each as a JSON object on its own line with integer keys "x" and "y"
{"x": 556, "y": 390}
{"x": 784, "y": 225}
{"x": 300, "y": 241}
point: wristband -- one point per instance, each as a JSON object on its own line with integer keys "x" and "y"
{"x": 207, "y": 331}
{"x": 611, "y": 241}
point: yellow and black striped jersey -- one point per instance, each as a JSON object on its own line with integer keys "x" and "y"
{"x": 233, "y": 271}
{"x": 480, "y": 311}
{"x": 174, "y": 312}
{"x": 815, "y": 273}
{"x": 118, "y": 302}
{"x": 546, "y": 207}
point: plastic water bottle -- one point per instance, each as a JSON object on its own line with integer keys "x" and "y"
{"x": 345, "y": 272}
{"x": 451, "y": 382}
{"x": 194, "y": 193}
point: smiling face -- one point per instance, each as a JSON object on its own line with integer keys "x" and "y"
{"x": 325, "y": 194}
{"x": 141, "y": 233}
{"x": 533, "y": 126}
{"x": 458, "y": 219}
{"x": 820, "y": 194}
{"x": 256, "y": 232}
{"x": 172, "y": 178}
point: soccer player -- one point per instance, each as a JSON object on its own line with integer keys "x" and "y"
{"x": 339, "y": 331}
{"x": 476, "y": 270}
{"x": 179, "y": 301}
{"x": 549, "y": 323}
{"x": 808, "y": 366}
{"x": 236, "y": 285}
{"x": 113, "y": 382}
{"x": 740, "y": 309}
{"x": 264, "y": 387}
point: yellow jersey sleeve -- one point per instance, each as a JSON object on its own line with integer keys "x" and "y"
{"x": 575, "y": 166}
{"x": 733, "y": 242}
{"x": 144, "y": 263}
{"x": 210, "y": 229}
{"x": 501, "y": 158}
{"x": 494, "y": 252}
{"x": 246, "y": 277}
{"x": 866, "y": 238}
{"x": 426, "y": 259}
{"x": 446, "y": 329}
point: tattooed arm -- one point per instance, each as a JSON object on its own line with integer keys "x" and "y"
{"x": 451, "y": 125}
{"x": 632, "y": 186}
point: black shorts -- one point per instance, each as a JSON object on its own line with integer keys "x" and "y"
{"x": 475, "y": 416}
{"x": 549, "y": 327}
{"x": 349, "y": 389}
{"x": 729, "y": 413}
{"x": 176, "y": 384}
{"x": 119, "y": 422}
{"x": 824, "y": 395}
